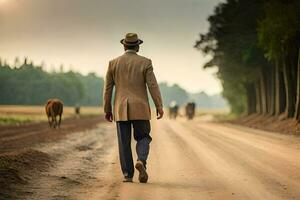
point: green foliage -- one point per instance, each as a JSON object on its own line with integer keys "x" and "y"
{"x": 245, "y": 39}
{"x": 232, "y": 41}
{"x": 93, "y": 89}
{"x": 20, "y": 119}
{"x": 280, "y": 27}
{"x": 236, "y": 95}
{"x": 31, "y": 85}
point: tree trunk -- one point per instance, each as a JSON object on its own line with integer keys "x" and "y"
{"x": 280, "y": 101}
{"x": 289, "y": 89}
{"x": 297, "y": 112}
{"x": 271, "y": 93}
{"x": 251, "y": 98}
{"x": 263, "y": 92}
{"x": 258, "y": 98}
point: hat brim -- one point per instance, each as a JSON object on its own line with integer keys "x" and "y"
{"x": 138, "y": 42}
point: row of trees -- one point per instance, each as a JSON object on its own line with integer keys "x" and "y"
{"x": 28, "y": 84}
{"x": 256, "y": 47}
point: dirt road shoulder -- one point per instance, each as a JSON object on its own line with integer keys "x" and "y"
{"x": 20, "y": 161}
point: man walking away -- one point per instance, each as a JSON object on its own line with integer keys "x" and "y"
{"x": 131, "y": 74}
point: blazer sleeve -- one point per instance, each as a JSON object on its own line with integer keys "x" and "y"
{"x": 108, "y": 90}
{"x": 153, "y": 86}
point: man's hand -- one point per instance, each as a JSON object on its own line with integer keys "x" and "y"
{"x": 109, "y": 116}
{"x": 160, "y": 113}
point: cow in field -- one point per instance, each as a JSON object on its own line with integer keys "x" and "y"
{"x": 54, "y": 108}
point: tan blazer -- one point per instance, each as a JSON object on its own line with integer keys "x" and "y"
{"x": 131, "y": 74}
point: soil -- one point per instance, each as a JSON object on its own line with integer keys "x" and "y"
{"x": 19, "y": 162}
{"x": 279, "y": 124}
{"x": 13, "y": 138}
{"x": 188, "y": 160}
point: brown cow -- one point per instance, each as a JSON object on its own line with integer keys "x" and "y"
{"x": 54, "y": 108}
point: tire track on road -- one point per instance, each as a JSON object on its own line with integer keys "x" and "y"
{"x": 267, "y": 168}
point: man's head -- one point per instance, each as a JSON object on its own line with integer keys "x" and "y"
{"x": 131, "y": 42}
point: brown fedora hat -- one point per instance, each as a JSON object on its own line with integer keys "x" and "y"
{"x": 131, "y": 39}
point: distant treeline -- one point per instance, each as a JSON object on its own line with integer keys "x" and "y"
{"x": 29, "y": 84}
{"x": 256, "y": 46}
{"x": 202, "y": 100}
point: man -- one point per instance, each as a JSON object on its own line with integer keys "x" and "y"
{"x": 131, "y": 74}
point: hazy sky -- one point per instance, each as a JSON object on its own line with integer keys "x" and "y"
{"x": 84, "y": 35}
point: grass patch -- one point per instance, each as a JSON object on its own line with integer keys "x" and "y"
{"x": 17, "y": 115}
{"x": 224, "y": 117}
{"x": 20, "y": 119}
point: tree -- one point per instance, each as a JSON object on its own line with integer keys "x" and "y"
{"x": 31, "y": 85}
{"x": 278, "y": 34}
{"x": 232, "y": 43}
{"x": 256, "y": 47}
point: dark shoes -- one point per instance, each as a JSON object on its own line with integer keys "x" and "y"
{"x": 143, "y": 176}
{"x": 127, "y": 180}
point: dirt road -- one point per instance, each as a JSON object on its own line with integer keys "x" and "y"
{"x": 188, "y": 160}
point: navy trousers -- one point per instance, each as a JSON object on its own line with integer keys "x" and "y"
{"x": 141, "y": 133}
